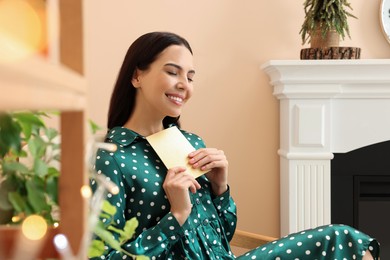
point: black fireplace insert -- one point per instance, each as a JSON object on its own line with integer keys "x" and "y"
{"x": 360, "y": 191}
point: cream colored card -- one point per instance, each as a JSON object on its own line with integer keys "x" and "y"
{"x": 173, "y": 149}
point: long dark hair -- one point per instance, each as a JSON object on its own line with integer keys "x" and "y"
{"x": 140, "y": 55}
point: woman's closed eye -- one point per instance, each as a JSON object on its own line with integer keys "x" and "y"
{"x": 173, "y": 73}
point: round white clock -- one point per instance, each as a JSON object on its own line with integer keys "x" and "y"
{"x": 385, "y": 18}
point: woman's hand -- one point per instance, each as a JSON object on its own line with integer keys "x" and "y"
{"x": 215, "y": 161}
{"x": 176, "y": 186}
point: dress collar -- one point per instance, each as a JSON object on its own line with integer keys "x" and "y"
{"x": 123, "y": 136}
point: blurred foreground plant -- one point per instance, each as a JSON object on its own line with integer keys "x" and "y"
{"x": 105, "y": 229}
{"x": 29, "y": 167}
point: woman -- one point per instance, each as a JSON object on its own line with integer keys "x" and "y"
{"x": 181, "y": 217}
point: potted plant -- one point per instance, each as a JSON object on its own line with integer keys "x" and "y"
{"x": 29, "y": 168}
{"x": 29, "y": 174}
{"x": 326, "y": 21}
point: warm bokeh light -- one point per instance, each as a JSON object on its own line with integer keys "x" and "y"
{"x": 22, "y": 28}
{"x": 15, "y": 219}
{"x": 114, "y": 190}
{"x": 86, "y": 191}
{"x": 34, "y": 227}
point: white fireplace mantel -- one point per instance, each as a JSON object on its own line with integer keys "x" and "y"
{"x": 326, "y": 106}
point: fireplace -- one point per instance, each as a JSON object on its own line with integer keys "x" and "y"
{"x": 329, "y": 108}
{"x": 360, "y": 191}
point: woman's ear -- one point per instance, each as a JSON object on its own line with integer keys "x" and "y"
{"x": 135, "y": 80}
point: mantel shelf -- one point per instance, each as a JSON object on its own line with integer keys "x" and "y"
{"x": 35, "y": 83}
{"x": 329, "y": 78}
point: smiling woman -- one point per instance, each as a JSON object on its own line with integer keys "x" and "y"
{"x": 182, "y": 216}
{"x": 385, "y": 18}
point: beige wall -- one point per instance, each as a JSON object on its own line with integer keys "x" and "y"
{"x": 233, "y": 107}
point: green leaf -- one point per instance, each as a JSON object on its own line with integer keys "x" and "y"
{"x": 32, "y": 118}
{"x": 105, "y": 215}
{"x": 15, "y": 167}
{"x": 15, "y": 181}
{"x": 142, "y": 257}
{"x": 22, "y": 153}
{"x": 37, "y": 147}
{"x": 56, "y": 146}
{"x": 94, "y": 127}
{"x": 96, "y": 249}
{"x": 107, "y": 237}
{"x": 57, "y": 158}
{"x": 108, "y": 208}
{"x": 40, "y": 167}
{"x": 53, "y": 112}
{"x": 51, "y": 133}
{"x": 28, "y": 120}
{"x": 5, "y": 188}
{"x": 129, "y": 229}
{"x": 120, "y": 232}
{"x": 102, "y": 230}
{"x": 52, "y": 188}
{"x": 9, "y": 135}
{"x": 53, "y": 172}
{"x": 17, "y": 201}
{"x": 36, "y": 195}
{"x": 27, "y": 130}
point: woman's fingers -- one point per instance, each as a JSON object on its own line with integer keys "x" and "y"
{"x": 215, "y": 163}
{"x": 177, "y": 178}
{"x": 176, "y": 185}
{"x": 207, "y": 158}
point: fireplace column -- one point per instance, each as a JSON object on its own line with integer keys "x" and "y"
{"x": 326, "y": 106}
{"x": 304, "y": 164}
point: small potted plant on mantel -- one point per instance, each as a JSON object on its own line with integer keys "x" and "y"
{"x": 326, "y": 21}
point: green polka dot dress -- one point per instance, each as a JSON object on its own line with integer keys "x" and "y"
{"x": 139, "y": 173}
{"x": 325, "y": 242}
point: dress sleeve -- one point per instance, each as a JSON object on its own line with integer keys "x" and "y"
{"x": 155, "y": 241}
{"x": 158, "y": 240}
{"x": 227, "y": 212}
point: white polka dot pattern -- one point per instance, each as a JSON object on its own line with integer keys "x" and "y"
{"x": 139, "y": 173}
{"x": 325, "y": 242}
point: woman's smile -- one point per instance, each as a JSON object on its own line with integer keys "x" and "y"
{"x": 177, "y": 99}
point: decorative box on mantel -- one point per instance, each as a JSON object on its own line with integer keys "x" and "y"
{"x": 326, "y": 107}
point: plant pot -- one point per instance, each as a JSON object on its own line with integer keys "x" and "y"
{"x": 330, "y": 39}
{"x": 10, "y": 241}
{"x": 327, "y": 47}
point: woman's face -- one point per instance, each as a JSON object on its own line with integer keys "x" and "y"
{"x": 166, "y": 85}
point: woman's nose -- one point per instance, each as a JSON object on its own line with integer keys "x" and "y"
{"x": 183, "y": 83}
